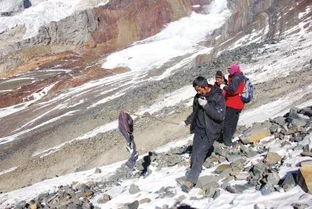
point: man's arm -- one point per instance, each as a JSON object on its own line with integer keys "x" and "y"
{"x": 232, "y": 88}
{"x": 190, "y": 118}
{"x": 216, "y": 110}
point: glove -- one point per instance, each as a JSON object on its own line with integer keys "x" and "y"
{"x": 222, "y": 86}
{"x": 202, "y": 101}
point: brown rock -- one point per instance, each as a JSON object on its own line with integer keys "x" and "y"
{"x": 305, "y": 178}
{"x": 105, "y": 198}
{"x": 255, "y": 135}
{"x": 222, "y": 168}
{"x": 306, "y": 163}
{"x": 309, "y": 154}
{"x": 145, "y": 200}
{"x": 33, "y": 206}
{"x": 272, "y": 158}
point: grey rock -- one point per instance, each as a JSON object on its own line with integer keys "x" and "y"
{"x": 272, "y": 158}
{"x": 21, "y": 205}
{"x": 299, "y": 205}
{"x": 97, "y": 170}
{"x": 134, "y": 189}
{"x": 273, "y": 178}
{"x": 84, "y": 188}
{"x": 233, "y": 157}
{"x": 220, "y": 149}
{"x": 105, "y": 198}
{"x": 267, "y": 189}
{"x": 289, "y": 182}
{"x": 168, "y": 160}
{"x": 210, "y": 189}
{"x": 309, "y": 154}
{"x": 145, "y": 200}
{"x": 208, "y": 163}
{"x": 87, "y": 205}
{"x": 226, "y": 173}
{"x": 279, "y": 121}
{"x": 306, "y": 140}
{"x": 242, "y": 176}
{"x": 222, "y": 168}
{"x": 275, "y": 128}
{"x": 133, "y": 205}
{"x": 207, "y": 180}
{"x": 258, "y": 170}
{"x": 296, "y": 119}
{"x": 166, "y": 192}
{"x": 308, "y": 110}
{"x": 241, "y": 188}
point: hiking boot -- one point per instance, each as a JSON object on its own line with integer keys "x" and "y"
{"x": 185, "y": 184}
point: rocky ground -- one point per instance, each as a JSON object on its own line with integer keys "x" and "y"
{"x": 291, "y": 132}
{"x": 101, "y": 149}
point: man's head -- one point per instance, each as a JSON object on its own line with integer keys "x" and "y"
{"x": 201, "y": 85}
{"x": 219, "y": 77}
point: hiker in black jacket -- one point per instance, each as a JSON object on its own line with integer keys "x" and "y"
{"x": 206, "y": 122}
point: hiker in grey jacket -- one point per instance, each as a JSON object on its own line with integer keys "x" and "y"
{"x": 206, "y": 122}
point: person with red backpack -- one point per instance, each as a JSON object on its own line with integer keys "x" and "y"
{"x": 233, "y": 102}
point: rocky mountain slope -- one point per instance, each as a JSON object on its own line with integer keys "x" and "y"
{"x": 270, "y": 161}
{"x": 61, "y": 90}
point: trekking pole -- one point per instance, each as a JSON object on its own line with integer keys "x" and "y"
{"x": 154, "y": 117}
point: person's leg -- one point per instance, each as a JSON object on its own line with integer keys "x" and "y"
{"x": 134, "y": 156}
{"x": 230, "y": 124}
{"x": 201, "y": 146}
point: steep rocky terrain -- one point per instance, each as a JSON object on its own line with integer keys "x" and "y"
{"x": 54, "y": 91}
{"x": 273, "y": 157}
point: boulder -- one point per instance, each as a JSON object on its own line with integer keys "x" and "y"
{"x": 255, "y": 134}
{"x": 105, "y": 198}
{"x": 289, "y": 182}
{"x": 133, "y": 205}
{"x": 306, "y": 163}
{"x": 134, "y": 189}
{"x": 210, "y": 190}
{"x": 308, "y": 154}
{"x": 145, "y": 200}
{"x": 305, "y": 178}
{"x": 280, "y": 120}
{"x": 222, "y": 168}
{"x": 207, "y": 180}
{"x": 272, "y": 158}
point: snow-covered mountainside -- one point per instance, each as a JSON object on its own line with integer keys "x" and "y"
{"x": 69, "y": 67}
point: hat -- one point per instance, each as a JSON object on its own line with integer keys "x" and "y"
{"x": 219, "y": 74}
{"x": 234, "y": 68}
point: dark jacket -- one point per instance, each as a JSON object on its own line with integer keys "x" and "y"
{"x": 125, "y": 125}
{"x": 213, "y": 113}
{"x": 234, "y": 91}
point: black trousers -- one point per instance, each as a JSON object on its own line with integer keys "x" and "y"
{"x": 202, "y": 147}
{"x": 230, "y": 124}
